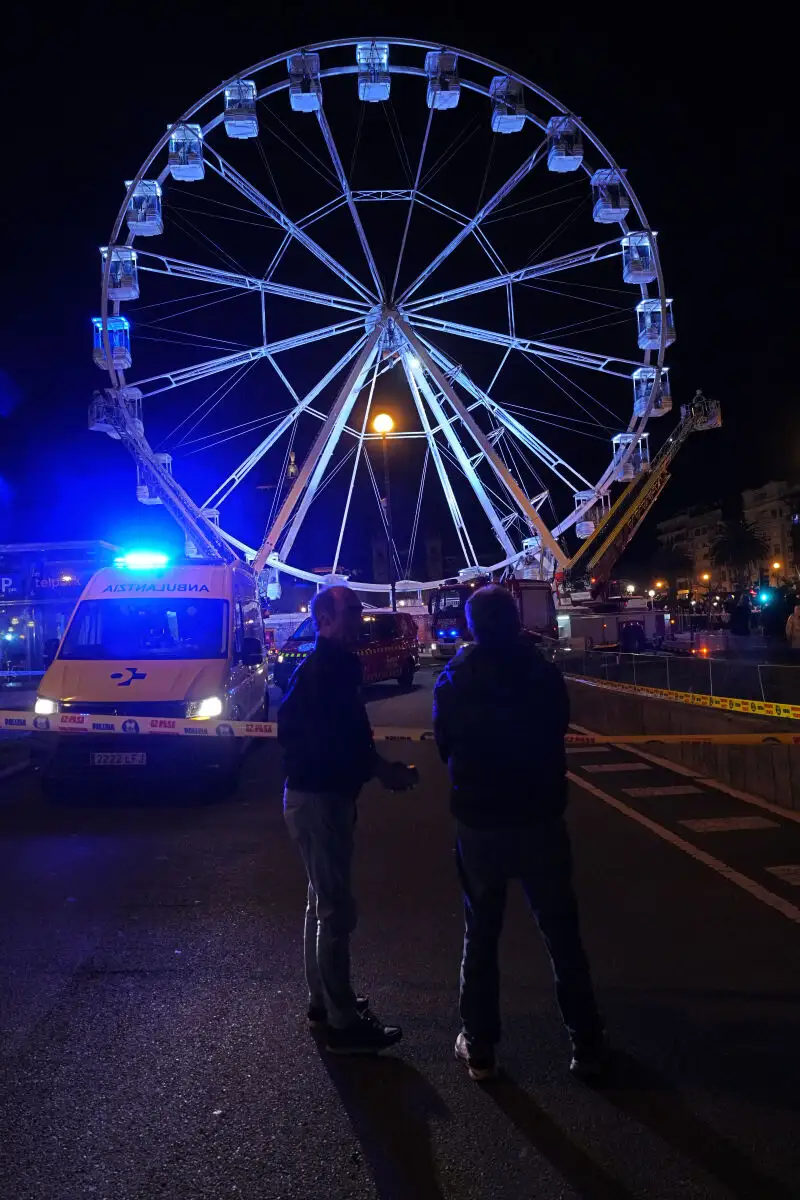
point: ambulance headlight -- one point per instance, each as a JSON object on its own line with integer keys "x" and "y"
{"x": 211, "y": 707}
{"x": 44, "y": 707}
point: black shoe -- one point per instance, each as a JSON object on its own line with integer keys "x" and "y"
{"x": 366, "y": 1035}
{"x": 481, "y": 1061}
{"x": 317, "y": 1014}
{"x": 590, "y": 1060}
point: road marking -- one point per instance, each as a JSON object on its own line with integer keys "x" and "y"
{"x": 587, "y": 749}
{"x": 672, "y": 789}
{"x": 618, "y": 766}
{"x": 743, "y": 881}
{"x": 691, "y": 773}
{"x": 723, "y": 824}
{"x": 789, "y": 874}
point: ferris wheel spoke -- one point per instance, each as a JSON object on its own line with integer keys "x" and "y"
{"x": 564, "y": 262}
{"x": 260, "y": 201}
{"x": 490, "y": 205}
{"x": 412, "y": 198}
{"x": 173, "y": 379}
{"x": 604, "y": 363}
{"x": 459, "y": 453}
{"x": 348, "y": 195}
{"x": 161, "y": 264}
{"x": 510, "y": 484}
{"x": 554, "y": 462}
{"x": 447, "y": 488}
{"x": 235, "y": 478}
{"x": 312, "y": 470}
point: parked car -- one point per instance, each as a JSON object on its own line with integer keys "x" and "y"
{"x": 388, "y": 649}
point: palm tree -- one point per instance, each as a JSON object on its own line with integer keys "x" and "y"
{"x": 673, "y": 563}
{"x": 740, "y": 547}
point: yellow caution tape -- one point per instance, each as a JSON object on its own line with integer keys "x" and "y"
{"x": 759, "y": 708}
{"x": 75, "y": 724}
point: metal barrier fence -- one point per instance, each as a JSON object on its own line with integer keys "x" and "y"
{"x": 771, "y": 682}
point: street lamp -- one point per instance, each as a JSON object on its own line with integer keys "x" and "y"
{"x": 705, "y": 577}
{"x": 659, "y": 584}
{"x": 383, "y": 424}
{"x": 630, "y": 589}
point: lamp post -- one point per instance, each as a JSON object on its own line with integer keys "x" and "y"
{"x": 383, "y": 424}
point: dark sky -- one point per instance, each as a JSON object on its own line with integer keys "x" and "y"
{"x": 695, "y": 111}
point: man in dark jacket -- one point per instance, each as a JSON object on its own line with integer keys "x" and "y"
{"x": 329, "y": 755}
{"x": 500, "y": 715}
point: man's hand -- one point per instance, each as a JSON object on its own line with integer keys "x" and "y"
{"x": 396, "y": 776}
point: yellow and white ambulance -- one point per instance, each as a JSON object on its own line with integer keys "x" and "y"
{"x": 155, "y": 638}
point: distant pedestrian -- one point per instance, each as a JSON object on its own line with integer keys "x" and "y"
{"x": 329, "y": 754}
{"x": 793, "y": 629}
{"x": 500, "y": 716}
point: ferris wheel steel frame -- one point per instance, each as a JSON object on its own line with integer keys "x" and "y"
{"x": 399, "y": 329}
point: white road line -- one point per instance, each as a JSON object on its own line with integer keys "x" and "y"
{"x": 587, "y": 749}
{"x": 679, "y": 769}
{"x": 672, "y": 789}
{"x": 743, "y": 881}
{"x": 789, "y": 874}
{"x": 596, "y": 768}
{"x": 724, "y": 824}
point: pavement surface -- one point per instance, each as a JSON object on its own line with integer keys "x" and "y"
{"x": 152, "y": 1033}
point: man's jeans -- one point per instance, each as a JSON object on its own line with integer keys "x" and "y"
{"x": 541, "y": 858}
{"x": 322, "y": 826}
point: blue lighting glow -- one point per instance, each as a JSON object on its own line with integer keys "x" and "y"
{"x": 142, "y": 560}
{"x": 763, "y": 597}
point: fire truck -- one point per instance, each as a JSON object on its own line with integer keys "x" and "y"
{"x": 447, "y": 606}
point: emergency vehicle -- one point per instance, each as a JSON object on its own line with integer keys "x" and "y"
{"x": 388, "y": 649}
{"x": 155, "y": 638}
{"x": 448, "y": 604}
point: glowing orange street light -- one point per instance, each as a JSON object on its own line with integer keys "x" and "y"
{"x": 776, "y": 566}
{"x": 705, "y": 577}
{"x": 659, "y": 583}
{"x": 383, "y": 424}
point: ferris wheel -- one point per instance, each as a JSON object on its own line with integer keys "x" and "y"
{"x": 372, "y": 225}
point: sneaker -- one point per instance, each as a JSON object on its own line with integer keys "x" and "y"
{"x": 481, "y": 1061}
{"x": 317, "y": 1014}
{"x": 590, "y": 1061}
{"x": 366, "y": 1035}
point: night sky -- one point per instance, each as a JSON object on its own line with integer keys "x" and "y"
{"x": 695, "y": 112}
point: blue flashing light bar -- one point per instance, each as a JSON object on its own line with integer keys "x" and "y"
{"x": 763, "y": 597}
{"x": 142, "y": 560}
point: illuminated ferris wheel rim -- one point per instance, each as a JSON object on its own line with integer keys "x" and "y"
{"x": 374, "y": 305}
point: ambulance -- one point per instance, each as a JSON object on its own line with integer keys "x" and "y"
{"x": 158, "y": 638}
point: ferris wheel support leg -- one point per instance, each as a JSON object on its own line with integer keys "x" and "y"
{"x": 542, "y": 451}
{"x": 313, "y": 468}
{"x": 461, "y": 456}
{"x": 235, "y": 478}
{"x": 467, "y": 549}
{"x": 501, "y": 471}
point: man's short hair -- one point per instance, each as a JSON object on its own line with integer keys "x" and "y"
{"x": 323, "y": 605}
{"x": 492, "y": 616}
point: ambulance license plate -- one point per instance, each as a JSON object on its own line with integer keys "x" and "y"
{"x": 118, "y": 759}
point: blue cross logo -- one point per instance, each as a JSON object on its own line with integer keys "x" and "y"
{"x": 134, "y": 674}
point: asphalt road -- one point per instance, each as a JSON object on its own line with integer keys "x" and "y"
{"x": 152, "y": 1005}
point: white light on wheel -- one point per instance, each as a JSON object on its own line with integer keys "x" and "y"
{"x": 44, "y": 707}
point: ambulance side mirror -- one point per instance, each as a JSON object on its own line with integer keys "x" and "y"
{"x": 252, "y": 652}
